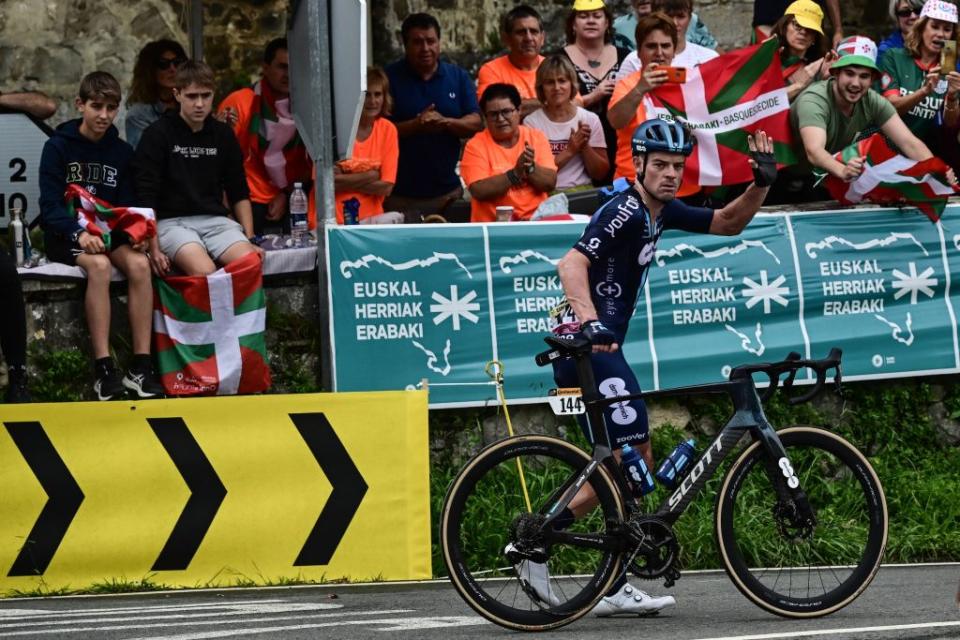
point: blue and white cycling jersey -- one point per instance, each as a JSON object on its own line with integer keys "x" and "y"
{"x": 620, "y": 242}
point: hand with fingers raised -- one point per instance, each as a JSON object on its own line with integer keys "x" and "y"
{"x": 762, "y": 160}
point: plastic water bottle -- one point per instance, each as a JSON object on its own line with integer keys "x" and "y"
{"x": 19, "y": 238}
{"x": 351, "y": 211}
{"x": 675, "y": 466}
{"x": 636, "y": 471}
{"x": 298, "y": 215}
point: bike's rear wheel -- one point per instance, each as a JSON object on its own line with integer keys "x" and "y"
{"x": 787, "y": 570}
{"x": 480, "y": 509}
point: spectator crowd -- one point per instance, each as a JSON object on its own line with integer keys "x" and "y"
{"x": 532, "y": 124}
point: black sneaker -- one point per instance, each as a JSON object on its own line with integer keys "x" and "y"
{"x": 17, "y": 388}
{"x": 109, "y": 384}
{"x": 143, "y": 384}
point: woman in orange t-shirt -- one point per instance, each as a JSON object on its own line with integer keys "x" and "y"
{"x": 507, "y": 163}
{"x": 369, "y": 174}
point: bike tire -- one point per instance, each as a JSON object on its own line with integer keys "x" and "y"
{"x": 480, "y": 506}
{"x": 842, "y": 554}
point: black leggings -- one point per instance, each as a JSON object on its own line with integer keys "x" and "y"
{"x": 13, "y": 323}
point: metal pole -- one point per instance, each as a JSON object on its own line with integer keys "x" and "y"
{"x": 196, "y": 29}
{"x": 324, "y": 162}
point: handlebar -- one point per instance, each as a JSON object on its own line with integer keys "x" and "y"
{"x": 790, "y": 366}
{"x": 571, "y": 346}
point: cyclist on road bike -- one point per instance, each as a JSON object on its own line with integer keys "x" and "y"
{"x": 602, "y": 276}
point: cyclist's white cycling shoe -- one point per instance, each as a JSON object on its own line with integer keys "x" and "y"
{"x": 536, "y": 576}
{"x": 630, "y": 601}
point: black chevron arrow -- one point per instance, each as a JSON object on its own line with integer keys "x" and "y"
{"x": 207, "y": 493}
{"x": 63, "y": 498}
{"x": 348, "y": 485}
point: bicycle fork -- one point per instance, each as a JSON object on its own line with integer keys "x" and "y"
{"x": 792, "y": 507}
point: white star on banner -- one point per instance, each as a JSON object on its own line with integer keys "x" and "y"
{"x": 455, "y": 307}
{"x": 765, "y": 292}
{"x": 913, "y": 283}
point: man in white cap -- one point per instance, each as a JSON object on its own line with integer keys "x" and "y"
{"x": 913, "y": 81}
{"x": 829, "y": 114}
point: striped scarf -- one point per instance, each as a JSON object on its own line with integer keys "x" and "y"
{"x": 276, "y": 139}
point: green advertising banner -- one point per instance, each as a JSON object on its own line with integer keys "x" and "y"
{"x": 438, "y": 302}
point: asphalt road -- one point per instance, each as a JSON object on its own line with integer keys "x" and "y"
{"x": 902, "y": 603}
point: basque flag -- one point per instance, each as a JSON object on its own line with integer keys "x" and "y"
{"x": 723, "y": 100}
{"x": 209, "y": 331}
{"x": 889, "y": 178}
{"x": 100, "y": 218}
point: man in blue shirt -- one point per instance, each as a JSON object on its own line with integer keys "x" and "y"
{"x": 435, "y": 105}
{"x": 603, "y": 274}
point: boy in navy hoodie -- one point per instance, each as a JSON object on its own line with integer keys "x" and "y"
{"x": 88, "y": 151}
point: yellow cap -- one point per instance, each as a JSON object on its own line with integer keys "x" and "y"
{"x": 808, "y": 14}
{"x": 588, "y": 5}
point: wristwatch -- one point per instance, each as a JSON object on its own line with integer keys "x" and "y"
{"x": 513, "y": 177}
{"x": 75, "y": 236}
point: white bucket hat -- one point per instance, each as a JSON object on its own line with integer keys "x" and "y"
{"x": 939, "y": 10}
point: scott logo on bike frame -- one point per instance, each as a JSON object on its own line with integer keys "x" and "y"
{"x": 695, "y": 473}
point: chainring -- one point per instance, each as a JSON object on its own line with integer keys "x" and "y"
{"x": 657, "y": 550}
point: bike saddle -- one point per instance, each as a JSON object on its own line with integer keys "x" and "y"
{"x": 566, "y": 347}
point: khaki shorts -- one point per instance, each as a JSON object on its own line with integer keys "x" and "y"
{"x": 215, "y": 233}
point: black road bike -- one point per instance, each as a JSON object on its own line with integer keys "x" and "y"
{"x": 811, "y": 502}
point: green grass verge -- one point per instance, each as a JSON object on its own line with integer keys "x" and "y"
{"x": 887, "y": 421}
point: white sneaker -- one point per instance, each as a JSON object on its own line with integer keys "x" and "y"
{"x": 536, "y": 576}
{"x": 631, "y": 601}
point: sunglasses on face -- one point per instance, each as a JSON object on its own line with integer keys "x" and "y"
{"x": 907, "y": 12}
{"x": 166, "y": 63}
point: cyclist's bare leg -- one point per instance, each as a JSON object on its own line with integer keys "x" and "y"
{"x": 585, "y": 500}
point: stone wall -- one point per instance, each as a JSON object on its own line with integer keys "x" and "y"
{"x": 470, "y": 26}
{"x": 50, "y": 45}
{"x": 56, "y": 325}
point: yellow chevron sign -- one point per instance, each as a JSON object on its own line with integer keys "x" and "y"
{"x": 215, "y": 491}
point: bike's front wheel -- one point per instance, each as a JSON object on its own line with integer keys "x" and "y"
{"x": 788, "y": 568}
{"x": 497, "y": 500}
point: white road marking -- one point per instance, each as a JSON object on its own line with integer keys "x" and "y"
{"x": 167, "y": 625}
{"x": 830, "y": 632}
{"x": 239, "y": 610}
{"x": 9, "y": 614}
{"x": 395, "y": 624}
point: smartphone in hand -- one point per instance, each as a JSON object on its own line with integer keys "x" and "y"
{"x": 675, "y": 75}
{"x": 948, "y": 57}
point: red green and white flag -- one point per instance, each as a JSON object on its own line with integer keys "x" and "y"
{"x": 723, "y": 100}
{"x": 889, "y": 178}
{"x": 100, "y": 218}
{"x": 209, "y": 331}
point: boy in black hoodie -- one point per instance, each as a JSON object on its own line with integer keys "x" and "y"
{"x": 88, "y": 151}
{"x": 186, "y": 161}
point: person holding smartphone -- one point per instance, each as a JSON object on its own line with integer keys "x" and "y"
{"x": 686, "y": 54}
{"x": 925, "y": 94}
{"x": 657, "y": 36}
